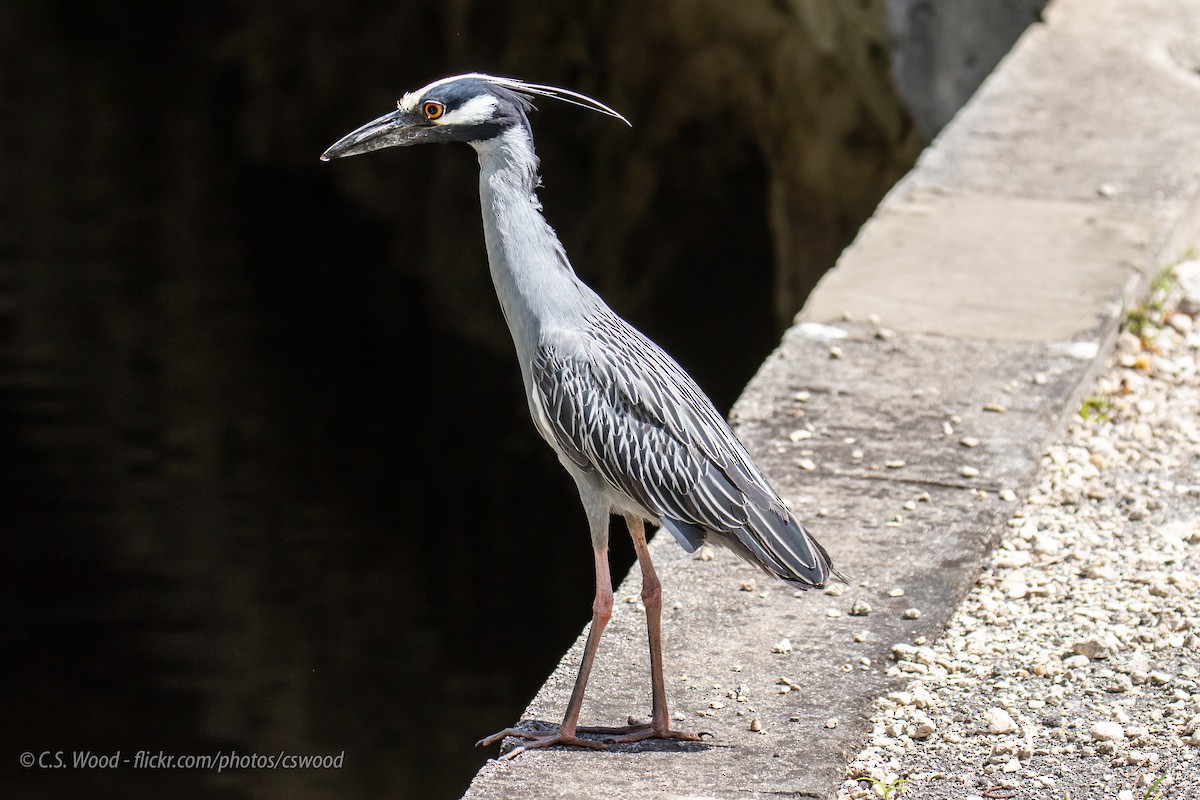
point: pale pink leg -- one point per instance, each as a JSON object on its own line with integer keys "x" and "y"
{"x": 660, "y": 721}
{"x": 566, "y": 733}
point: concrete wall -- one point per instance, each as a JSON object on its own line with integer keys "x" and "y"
{"x": 941, "y": 51}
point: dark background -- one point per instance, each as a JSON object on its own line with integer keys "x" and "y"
{"x": 267, "y": 481}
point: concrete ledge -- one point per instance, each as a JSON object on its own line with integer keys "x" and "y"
{"x": 997, "y": 270}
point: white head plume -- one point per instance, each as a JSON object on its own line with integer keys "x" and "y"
{"x": 558, "y": 93}
{"x": 528, "y": 90}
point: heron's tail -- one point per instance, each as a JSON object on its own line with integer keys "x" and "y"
{"x": 779, "y": 546}
{"x": 784, "y": 548}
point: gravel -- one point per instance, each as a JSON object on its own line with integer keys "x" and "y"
{"x": 1072, "y": 669}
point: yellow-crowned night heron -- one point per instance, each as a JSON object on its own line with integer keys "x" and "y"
{"x": 633, "y": 429}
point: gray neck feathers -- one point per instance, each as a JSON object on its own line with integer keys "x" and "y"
{"x": 534, "y": 281}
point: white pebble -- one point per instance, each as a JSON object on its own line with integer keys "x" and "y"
{"x": 1014, "y": 586}
{"x": 1092, "y": 648}
{"x": 921, "y": 727}
{"x": 1012, "y": 559}
{"x": 1044, "y": 544}
{"x": 999, "y": 721}
{"x": 1105, "y": 731}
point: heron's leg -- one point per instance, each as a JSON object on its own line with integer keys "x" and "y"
{"x": 566, "y": 733}
{"x": 660, "y": 721}
{"x": 601, "y": 614}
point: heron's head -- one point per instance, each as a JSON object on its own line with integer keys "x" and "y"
{"x": 465, "y": 108}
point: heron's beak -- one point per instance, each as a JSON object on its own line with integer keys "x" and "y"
{"x": 390, "y": 130}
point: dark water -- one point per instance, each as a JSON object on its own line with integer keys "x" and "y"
{"x": 259, "y": 493}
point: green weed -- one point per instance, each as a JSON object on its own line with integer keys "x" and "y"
{"x": 1154, "y": 786}
{"x": 1150, "y": 311}
{"x": 1096, "y": 407}
{"x": 888, "y": 788}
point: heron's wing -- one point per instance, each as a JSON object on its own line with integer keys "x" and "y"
{"x": 618, "y": 405}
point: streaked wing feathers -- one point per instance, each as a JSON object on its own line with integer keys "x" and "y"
{"x": 618, "y": 405}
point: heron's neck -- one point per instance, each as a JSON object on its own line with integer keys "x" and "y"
{"x": 534, "y": 280}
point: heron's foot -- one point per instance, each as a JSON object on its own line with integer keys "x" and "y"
{"x": 545, "y": 738}
{"x": 648, "y": 731}
{"x": 640, "y": 731}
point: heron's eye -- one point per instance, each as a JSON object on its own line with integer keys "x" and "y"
{"x": 433, "y": 109}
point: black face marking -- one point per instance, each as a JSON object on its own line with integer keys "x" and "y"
{"x": 510, "y": 110}
{"x": 454, "y": 95}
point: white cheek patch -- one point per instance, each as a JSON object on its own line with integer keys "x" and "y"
{"x": 474, "y": 111}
